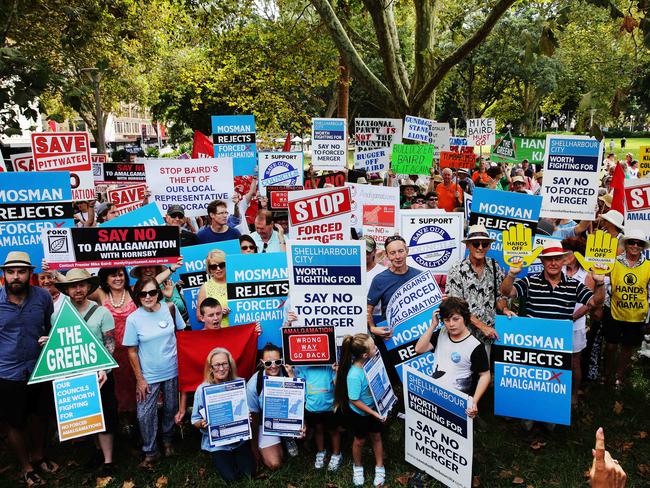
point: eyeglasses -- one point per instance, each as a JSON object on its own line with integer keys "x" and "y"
{"x": 266, "y": 245}
{"x": 150, "y": 293}
{"x": 635, "y": 242}
{"x": 478, "y": 244}
{"x": 275, "y": 362}
{"x": 435, "y": 199}
{"x": 419, "y": 200}
{"x": 220, "y": 366}
{"x": 247, "y": 248}
{"x": 176, "y": 215}
{"x": 213, "y": 267}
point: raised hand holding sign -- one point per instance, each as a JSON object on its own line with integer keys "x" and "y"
{"x": 600, "y": 253}
{"x": 518, "y": 249}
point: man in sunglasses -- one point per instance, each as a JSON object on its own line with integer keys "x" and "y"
{"x": 477, "y": 280}
{"x": 265, "y": 236}
{"x": 625, "y": 320}
{"x": 176, "y": 216}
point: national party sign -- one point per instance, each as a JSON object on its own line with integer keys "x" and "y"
{"x": 498, "y": 210}
{"x": 97, "y": 247}
{"x": 78, "y": 405}
{"x": 439, "y": 436}
{"x": 481, "y": 132}
{"x": 71, "y": 348}
{"x": 532, "y": 369}
{"x": 66, "y": 151}
{"x": 234, "y": 137}
{"x": 329, "y": 144}
{"x": 376, "y": 133}
{"x": 327, "y": 285}
{"x": 433, "y": 239}
{"x": 322, "y": 214}
{"x": 29, "y": 203}
{"x": 190, "y": 183}
{"x": 571, "y": 177}
{"x": 280, "y": 169}
{"x": 257, "y": 289}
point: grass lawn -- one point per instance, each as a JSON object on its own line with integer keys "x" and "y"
{"x": 504, "y": 454}
{"x": 631, "y": 145}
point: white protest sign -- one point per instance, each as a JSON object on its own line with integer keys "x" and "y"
{"x": 127, "y": 198}
{"x": 481, "y": 132}
{"x": 372, "y": 161}
{"x": 571, "y": 177}
{"x": 413, "y": 297}
{"x": 22, "y": 162}
{"x": 439, "y": 436}
{"x": 380, "y": 387}
{"x": 433, "y": 239}
{"x": 373, "y": 139}
{"x": 190, "y": 183}
{"x": 440, "y": 135}
{"x": 637, "y": 205}
{"x": 417, "y": 129}
{"x": 66, "y": 151}
{"x": 280, "y": 169}
{"x": 374, "y": 210}
{"x": 329, "y": 144}
{"x": 327, "y": 285}
{"x": 321, "y": 214}
{"x": 284, "y": 406}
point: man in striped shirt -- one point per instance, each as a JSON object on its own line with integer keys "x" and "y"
{"x": 550, "y": 294}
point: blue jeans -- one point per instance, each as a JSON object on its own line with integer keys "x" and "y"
{"x": 235, "y": 464}
{"x": 147, "y": 411}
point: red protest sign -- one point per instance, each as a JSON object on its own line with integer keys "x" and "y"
{"x": 127, "y": 198}
{"x": 277, "y": 196}
{"x": 309, "y": 346}
{"x": 99, "y": 158}
{"x": 335, "y": 179}
{"x": 320, "y": 206}
{"x": 22, "y": 162}
{"x": 455, "y": 160}
{"x": 637, "y": 196}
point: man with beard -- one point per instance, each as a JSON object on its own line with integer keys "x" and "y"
{"x": 25, "y": 314}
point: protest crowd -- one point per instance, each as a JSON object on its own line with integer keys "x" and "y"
{"x": 285, "y": 305}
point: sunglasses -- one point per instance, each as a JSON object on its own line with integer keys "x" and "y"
{"x": 275, "y": 362}
{"x": 419, "y": 200}
{"x": 150, "y": 293}
{"x": 213, "y": 267}
{"x": 479, "y": 244}
{"x": 266, "y": 245}
{"x": 176, "y": 215}
{"x": 393, "y": 239}
{"x": 635, "y": 242}
{"x": 433, "y": 198}
{"x": 247, "y": 248}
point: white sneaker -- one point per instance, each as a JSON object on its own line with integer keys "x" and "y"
{"x": 320, "y": 460}
{"x": 357, "y": 475}
{"x": 335, "y": 462}
{"x": 380, "y": 476}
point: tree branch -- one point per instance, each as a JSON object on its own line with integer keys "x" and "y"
{"x": 392, "y": 26}
{"x": 349, "y": 52}
{"x": 463, "y": 50}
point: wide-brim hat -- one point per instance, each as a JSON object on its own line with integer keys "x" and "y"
{"x": 463, "y": 171}
{"x": 362, "y": 181}
{"x": 478, "y": 232}
{"x": 137, "y": 271}
{"x": 17, "y": 259}
{"x": 77, "y": 276}
{"x": 409, "y": 185}
{"x": 606, "y": 199}
{"x": 552, "y": 247}
{"x": 518, "y": 179}
{"x": 371, "y": 245}
{"x": 539, "y": 174}
{"x": 638, "y": 236}
{"x": 614, "y": 217}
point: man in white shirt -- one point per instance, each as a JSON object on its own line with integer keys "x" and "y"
{"x": 265, "y": 236}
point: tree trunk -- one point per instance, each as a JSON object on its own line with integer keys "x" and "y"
{"x": 343, "y": 89}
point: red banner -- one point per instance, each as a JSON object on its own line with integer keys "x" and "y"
{"x": 194, "y": 346}
{"x": 203, "y": 146}
{"x": 454, "y": 160}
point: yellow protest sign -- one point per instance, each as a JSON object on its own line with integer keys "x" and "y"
{"x": 518, "y": 246}
{"x": 600, "y": 253}
{"x": 644, "y": 161}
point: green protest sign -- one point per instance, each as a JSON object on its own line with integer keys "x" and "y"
{"x": 505, "y": 147}
{"x": 528, "y": 148}
{"x": 71, "y": 349}
{"x": 412, "y": 159}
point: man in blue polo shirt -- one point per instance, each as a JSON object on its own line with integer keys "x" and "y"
{"x": 25, "y": 314}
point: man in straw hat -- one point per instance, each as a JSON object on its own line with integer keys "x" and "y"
{"x": 25, "y": 314}
{"x": 625, "y": 320}
{"x": 477, "y": 280}
{"x": 78, "y": 284}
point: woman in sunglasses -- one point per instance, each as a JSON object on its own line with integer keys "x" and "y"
{"x": 232, "y": 461}
{"x": 247, "y": 244}
{"x": 150, "y": 337}
{"x": 215, "y": 287}
{"x": 266, "y": 448}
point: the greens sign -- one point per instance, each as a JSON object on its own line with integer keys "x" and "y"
{"x": 510, "y": 148}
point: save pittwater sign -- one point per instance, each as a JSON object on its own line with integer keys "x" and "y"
{"x": 71, "y": 348}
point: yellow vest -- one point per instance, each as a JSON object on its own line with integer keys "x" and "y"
{"x": 630, "y": 292}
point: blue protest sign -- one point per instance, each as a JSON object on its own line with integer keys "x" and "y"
{"x": 29, "y": 203}
{"x": 193, "y": 273}
{"x": 234, "y": 137}
{"x": 498, "y": 210}
{"x": 146, "y": 215}
{"x": 78, "y": 406}
{"x": 257, "y": 289}
{"x": 532, "y": 369}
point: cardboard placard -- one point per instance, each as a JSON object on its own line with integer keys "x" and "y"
{"x": 329, "y": 144}
{"x": 78, "y": 405}
{"x": 456, "y": 160}
{"x": 234, "y": 137}
{"x": 278, "y": 196}
{"x": 322, "y": 214}
{"x": 481, "y": 132}
{"x": 309, "y": 346}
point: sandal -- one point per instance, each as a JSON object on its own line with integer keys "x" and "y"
{"x": 46, "y": 466}
{"x": 31, "y": 478}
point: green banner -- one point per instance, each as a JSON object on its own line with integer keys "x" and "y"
{"x": 516, "y": 149}
{"x": 412, "y": 159}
